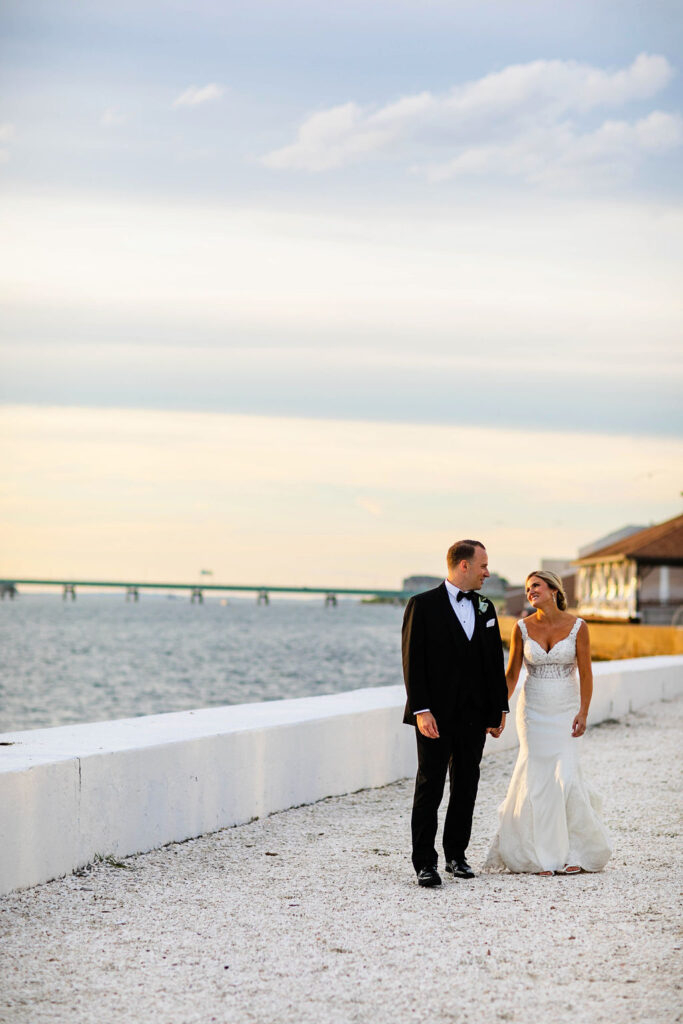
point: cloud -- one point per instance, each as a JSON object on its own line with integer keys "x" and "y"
{"x": 331, "y": 139}
{"x": 196, "y": 95}
{"x": 525, "y": 120}
{"x": 558, "y": 154}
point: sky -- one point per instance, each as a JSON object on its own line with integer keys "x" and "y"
{"x": 302, "y": 292}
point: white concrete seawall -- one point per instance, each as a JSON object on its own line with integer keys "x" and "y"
{"x": 124, "y": 787}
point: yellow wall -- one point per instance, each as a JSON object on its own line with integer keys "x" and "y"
{"x": 621, "y": 640}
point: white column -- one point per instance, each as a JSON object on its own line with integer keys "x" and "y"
{"x": 664, "y": 584}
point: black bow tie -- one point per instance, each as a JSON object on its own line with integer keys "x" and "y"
{"x": 469, "y": 594}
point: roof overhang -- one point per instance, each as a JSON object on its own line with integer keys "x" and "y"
{"x": 618, "y": 558}
{"x": 601, "y": 559}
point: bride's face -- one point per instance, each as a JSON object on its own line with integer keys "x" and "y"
{"x": 538, "y": 592}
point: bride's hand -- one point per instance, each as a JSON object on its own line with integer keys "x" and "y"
{"x": 498, "y": 730}
{"x": 579, "y": 725}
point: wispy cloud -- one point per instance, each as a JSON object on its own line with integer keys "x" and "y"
{"x": 559, "y": 154}
{"x": 535, "y": 121}
{"x": 196, "y": 95}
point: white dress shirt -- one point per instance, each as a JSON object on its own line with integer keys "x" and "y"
{"x": 463, "y": 609}
{"x": 465, "y": 612}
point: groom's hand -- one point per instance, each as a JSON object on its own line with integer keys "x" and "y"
{"x": 426, "y": 723}
{"x": 496, "y": 732}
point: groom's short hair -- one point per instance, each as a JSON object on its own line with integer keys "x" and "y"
{"x": 461, "y": 551}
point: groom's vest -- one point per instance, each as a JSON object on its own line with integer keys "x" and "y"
{"x": 469, "y": 669}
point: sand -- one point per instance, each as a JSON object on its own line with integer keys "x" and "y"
{"x": 313, "y": 915}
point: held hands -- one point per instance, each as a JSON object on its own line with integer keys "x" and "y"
{"x": 579, "y": 725}
{"x": 426, "y": 723}
{"x": 496, "y": 732}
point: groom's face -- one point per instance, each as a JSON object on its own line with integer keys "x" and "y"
{"x": 477, "y": 569}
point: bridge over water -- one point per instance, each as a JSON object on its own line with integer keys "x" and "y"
{"x": 197, "y": 590}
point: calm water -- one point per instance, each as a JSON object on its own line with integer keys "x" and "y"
{"x": 99, "y": 658}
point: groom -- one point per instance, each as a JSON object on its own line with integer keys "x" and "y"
{"x": 455, "y": 680}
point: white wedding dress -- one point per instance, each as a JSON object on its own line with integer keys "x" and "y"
{"x": 550, "y": 817}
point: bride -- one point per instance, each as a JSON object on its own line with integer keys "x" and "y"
{"x": 550, "y": 821}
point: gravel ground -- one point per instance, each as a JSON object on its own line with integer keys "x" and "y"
{"x": 313, "y": 915}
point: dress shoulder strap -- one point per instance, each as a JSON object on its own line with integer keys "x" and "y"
{"x": 522, "y": 628}
{"x": 576, "y": 627}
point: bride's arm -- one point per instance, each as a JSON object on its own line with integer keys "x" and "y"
{"x": 515, "y": 659}
{"x": 583, "y": 661}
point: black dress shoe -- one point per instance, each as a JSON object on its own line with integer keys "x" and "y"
{"x": 428, "y": 877}
{"x": 460, "y": 869}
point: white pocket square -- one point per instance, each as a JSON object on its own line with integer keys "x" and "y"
{"x": 491, "y": 622}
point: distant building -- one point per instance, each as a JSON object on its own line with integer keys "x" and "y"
{"x": 418, "y": 584}
{"x": 494, "y": 587}
{"x": 560, "y": 566}
{"x": 638, "y": 577}
{"x": 515, "y": 601}
{"x": 608, "y": 539}
{"x": 515, "y": 594}
{"x": 567, "y": 571}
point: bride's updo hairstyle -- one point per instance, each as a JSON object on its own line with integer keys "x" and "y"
{"x": 554, "y": 582}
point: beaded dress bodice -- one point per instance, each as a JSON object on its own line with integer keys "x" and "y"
{"x": 557, "y": 663}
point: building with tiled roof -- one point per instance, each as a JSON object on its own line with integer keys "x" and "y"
{"x": 638, "y": 577}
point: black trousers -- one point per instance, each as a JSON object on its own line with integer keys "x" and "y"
{"x": 459, "y": 753}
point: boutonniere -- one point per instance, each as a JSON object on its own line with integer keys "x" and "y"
{"x": 483, "y": 605}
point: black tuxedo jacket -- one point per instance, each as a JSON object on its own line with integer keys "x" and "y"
{"x": 442, "y": 669}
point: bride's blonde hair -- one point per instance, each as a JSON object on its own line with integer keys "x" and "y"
{"x": 554, "y": 582}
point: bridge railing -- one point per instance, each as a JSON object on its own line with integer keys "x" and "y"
{"x": 197, "y": 590}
